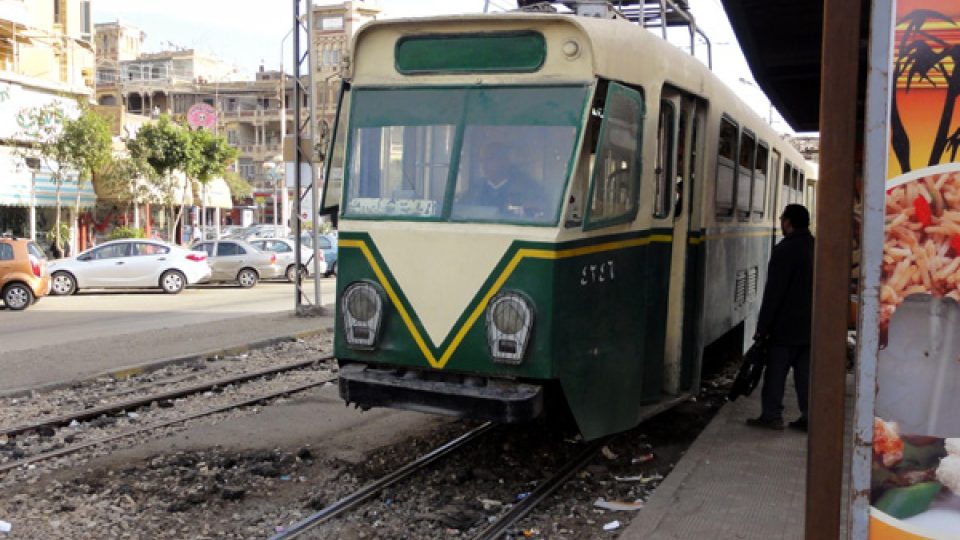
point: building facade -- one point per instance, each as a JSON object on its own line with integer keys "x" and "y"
{"x": 334, "y": 26}
{"x": 254, "y": 115}
{"x": 46, "y": 59}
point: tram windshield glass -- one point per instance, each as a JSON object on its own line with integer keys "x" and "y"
{"x": 497, "y": 154}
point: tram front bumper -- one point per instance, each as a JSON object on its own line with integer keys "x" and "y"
{"x": 478, "y": 398}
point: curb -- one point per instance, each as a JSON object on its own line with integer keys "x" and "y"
{"x": 132, "y": 370}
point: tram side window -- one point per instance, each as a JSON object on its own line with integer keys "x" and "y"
{"x": 760, "y": 179}
{"x": 774, "y": 180}
{"x": 811, "y": 199}
{"x": 785, "y": 189}
{"x": 681, "y": 162}
{"x": 726, "y": 153}
{"x": 664, "y": 166}
{"x": 800, "y": 183}
{"x": 795, "y": 186}
{"x": 333, "y": 185}
{"x": 748, "y": 152}
{"x": 616, "y": 171}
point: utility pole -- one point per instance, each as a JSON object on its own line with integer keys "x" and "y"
{"x": 304, "y": 133}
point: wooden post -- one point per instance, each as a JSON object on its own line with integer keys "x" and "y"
{"x": 835, "y": 191}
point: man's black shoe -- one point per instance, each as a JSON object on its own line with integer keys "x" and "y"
{"x": 766, "y": 423}
{"x": 799, "y": 424}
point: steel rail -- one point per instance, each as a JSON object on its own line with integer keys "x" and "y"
{"x": 137, "y": 403}
{"x": 495, "y": 530}
{"x": 164, "y": 423}
{"x": 366, "y": 492}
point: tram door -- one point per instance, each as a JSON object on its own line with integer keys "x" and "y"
{"x": 680, "y": 121}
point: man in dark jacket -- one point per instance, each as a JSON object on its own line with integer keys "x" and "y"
{"x": 784, "y": 320}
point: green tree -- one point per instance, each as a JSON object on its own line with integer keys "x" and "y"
{"x": 166, "y": 148}
{"x": 88, "y": 147}
{"x": 239, "y": 187}
{"x": 123, "y": 178}
{"x": 41, "y": 128}
{"x": 209, "y": 158}
{"x": 67, "y": 147}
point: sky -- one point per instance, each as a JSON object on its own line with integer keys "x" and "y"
{"x": 247, "y": 33}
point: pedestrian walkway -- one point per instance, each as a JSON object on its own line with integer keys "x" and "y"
{"x": 735, "y": 482}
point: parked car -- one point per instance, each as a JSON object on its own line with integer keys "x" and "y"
{"x": 254, "y": 232}
{"x": 238, "y": 261}
{"x": 284, "y": 248}
{"x": 328, "y": 245}
{"x": 130, "y": 263}
{"x": 230, "y": 230}
{"x": 24, "y": 276}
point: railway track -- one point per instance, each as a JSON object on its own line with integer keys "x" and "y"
{"x": 492, "y": 531}
{"x": 134, "y": 404}
{"x": 366, "y": 492}
{"x": 137, "y": 403}
{"x": 496, "y": 530}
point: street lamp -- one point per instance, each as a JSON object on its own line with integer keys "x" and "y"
{"x": 273, "y": 168}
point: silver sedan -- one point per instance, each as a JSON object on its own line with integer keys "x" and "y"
{"x": 238, "y": 261}
{"x": 284, "y": 248}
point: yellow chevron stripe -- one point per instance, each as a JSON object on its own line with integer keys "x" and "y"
{"x": 521, "y": 254}
{"x": 382, "y": 278}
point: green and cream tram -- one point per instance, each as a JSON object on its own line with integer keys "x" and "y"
{"x": 538, "y": 206}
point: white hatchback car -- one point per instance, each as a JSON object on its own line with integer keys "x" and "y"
{"x": 131, "y": 263}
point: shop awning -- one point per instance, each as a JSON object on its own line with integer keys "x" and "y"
{"x": 19, "y": 186}
{"x": 45, "y": 192}
{"x": 216, "y": 194}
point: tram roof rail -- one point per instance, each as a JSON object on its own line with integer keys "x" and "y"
{"x": 650, "y": 14}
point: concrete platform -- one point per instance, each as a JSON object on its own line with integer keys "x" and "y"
{"x": 735, "y": 482}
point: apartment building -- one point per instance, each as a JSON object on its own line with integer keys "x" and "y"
{"x": 46, "y": 58}
{"x": 150, "y": 83}
{"x": 334, "y": 26}
{"x": 250, "y": 113}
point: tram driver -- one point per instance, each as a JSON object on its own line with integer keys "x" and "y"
{"x": 503, "y": 184}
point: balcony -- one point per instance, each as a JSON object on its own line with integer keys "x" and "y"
{"x": 259, "y": 152}
{"x": 256, "y": 115}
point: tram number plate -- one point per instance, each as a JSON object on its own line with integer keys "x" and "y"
{"x": 597, "y": 273}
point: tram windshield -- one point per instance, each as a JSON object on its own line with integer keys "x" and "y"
{"x": 497, "y": 154}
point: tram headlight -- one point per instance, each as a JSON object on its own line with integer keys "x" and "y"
{"x": 361, "y": 308}
{"x": 509, "y": 324}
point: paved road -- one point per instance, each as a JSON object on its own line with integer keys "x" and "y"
{"x": 66, "y": 338}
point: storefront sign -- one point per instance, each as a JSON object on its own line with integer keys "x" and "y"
{"x": 17, "y": 101}
{"x": 202, "y": 115}
{"x": 915, "y": 458}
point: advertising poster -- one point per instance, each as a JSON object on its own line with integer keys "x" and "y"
{"x": 915, "y": 478}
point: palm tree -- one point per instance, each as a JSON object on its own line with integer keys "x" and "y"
{"x": 917, "y": 58}
{"x": 950, "y": 102}
{"x": 953, "y": 144}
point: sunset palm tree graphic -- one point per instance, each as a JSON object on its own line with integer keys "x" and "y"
{"x": 923, "y": 58}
